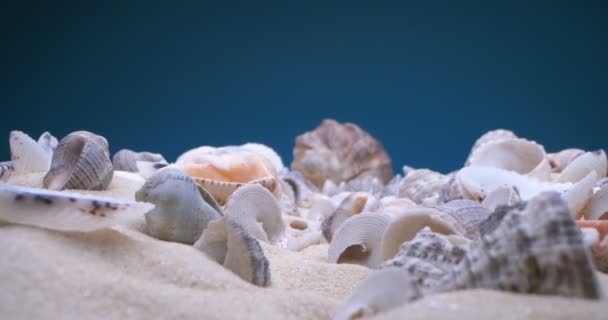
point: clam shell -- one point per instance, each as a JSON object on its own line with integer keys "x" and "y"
{"x": 358, "y": 240}
{"x": 492, "y": 136}
{"x": 126, "y": 160}
{"x": 6, "y": 170}
{"x": 423, "y": 186}
{"x": 80, "y": 161}
{"x": 583, "y": 164}
{"x": 597, "y": 209}
{"x": 27, "y": 155}
{"x": 560, "y": 160}
{"x": 354, "y": 204}
{"x": 258, "y": 211}
{"x": 268, "y": 153}
{"x": 65, "y": 211}
{"x": 181, "y": 213}
{"x": 229, "y": 244}
{"x": 580, "y": 194}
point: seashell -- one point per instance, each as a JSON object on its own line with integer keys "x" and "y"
{"x": 536, "y": 248}
{"x": 48, "y": 142}
{"x": 358, "y": 240}
{"x": 126, "y": 160}
{"x": 423, "y": 186}
{"x": 580, "y": 194}
{"x": 581, "y": 165}
{"x": 340, "y": 152}
{"x": 63, "y": 210}
{"x": 501, "y": 196}
{"x": 286, "y": 198}
{"x": 321, "y": 208}
{"x": 451, "y": 190}
{"x": 597, "y": 208}
{"x": 27, "y": 155}
{"x": 329, "y": 188}
{"x": 354, "y": 204}
{"x": 429, "y": 256}
{"x": 229, "y": 244}
{"x": 405, "y": 227}
{"x": 396, "y": 206}
{"x": 492, "y": 136}
{"x": 518, "y": 155}
{"x": 302, "y": 233}
{"x": 302, "y": 190}
{"x": 392, "y": 187}
{"x": 6, "y": 170}
{"x": 258, "y": 211}
{"x": 382, "y": 290}
{"x": 560, "y": 160}
{"x": 600, "y": 225}
{"x": 267, "y": 153}
{"x": 468, "y": 214}
{"x": 80, "y": 161}
{"x": 181, "y": 213}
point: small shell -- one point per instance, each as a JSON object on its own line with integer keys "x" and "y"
{"x": 358, "y": 240}
{"x": 580, "y": 167}
{"x": 597, "y": 209}
{"x": 63, "y": 210}
{"x": 469, "y": 215}
{"x": 80, "y": 161}
{"x": 502, "y": 196}
{"x": 451, "y": 190}
{"x": 536, "y": 248}
{"x": 6, "y": 170}
{"x": 27, "y": 155}
{"x": 579, "y": 195}
{"x": 560, "y": 160}
{"x": 302, "y": 233}
{"x": 48, "y": 142}
{"x": 286, "y": 198}
{"x": 258, "y": 211}
{"x": 492, "y": 136}
{"x": 229, "y": 244}
{"x": 382, "y": 290}
{"x": 354, "y": 204}
{"x": 126, "y": 160}
{"x": 181, "y": 213}
{"x": 423, "y": 186}
{"x": 405, "y": 227}
{"x": 268, "y": 153}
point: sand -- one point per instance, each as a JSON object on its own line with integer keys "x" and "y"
{"x": 122, "y": 273}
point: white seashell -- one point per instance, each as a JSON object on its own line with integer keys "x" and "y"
{"x": 597, "y": 209}
{"x": 27, "y": 155}
{"x": 258, "y": 211}
{"x": 286, "y": 197}
{"x": 382, "y": 290}
{"x": 451, "y": 190}
{"x": 302, "y": 233}
{"x": 492, "y": 136}
{"x": 354, "y": 204}
{"x": 560, "y": 160}
{"x": 227, "y": 243}
{"x": 6, "y": 170}
{"x": 579, "y": 195}
{"x": 302, "y": 190}
{"x": 423, "y": 186}
{"x": 48, "y": 142}
{"x": 65, "y": 211}
{"x": 502, "y": 196}
{"x": 181, "y": 213}
{"x": 467, "y": 214}
{"x": 126, "y": 160}
{"x": 358, "y": 240}
{"x": 405, "y": 227}
{"x": 80, "y": 161}
{"x": 580, "y": 167}
{"x": 268, "y": 153}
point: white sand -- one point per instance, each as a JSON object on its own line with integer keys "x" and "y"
{"x": 122, "y": 273}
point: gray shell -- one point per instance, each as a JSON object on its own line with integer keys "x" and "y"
{"x": 126, "y": 160}
{"x": 80, "y": 161}
{"x": 469, "y": 214}
{"x": 6, "y": 170}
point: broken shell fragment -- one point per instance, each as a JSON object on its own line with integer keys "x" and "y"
{"x": 229, "y": 244}
{"x": 80, "y": 161}
{"x": 48, "y": 142}
{"x": 6, "y": 170}
{"x": 597, "y": 209}
{"x": 126, "y": 160}
{"x": 502, "y": 196}
{"x": 583, "y": 164}
{"x": 28, "y": 156}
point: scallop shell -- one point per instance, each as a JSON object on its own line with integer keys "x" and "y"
{"x": 229, "y": 244}
{"x": 258, "y": 211}
{"x": 354, "y": 204}
{"x": 340, "y": 152}
{"x": 518, "y": 155}
{"x": 583, "y": 164}
{"x": 536, "y": 248}
{"x": 65, "y": 211}
{"x": 80, "y": 161}
{"x": 597, "y": 209}
{"x": 6, "y": 170}
{"x": 501, "y": 196}
{"x": 181, "y": 213}
{"x": 492, "y": 136}
{"x": 358, "y": 240}
{"x": 28, "y": 156}
{"x": 560, "y": 160}
{"x": 126, "y": 160}
{"x": 423, "y": 186}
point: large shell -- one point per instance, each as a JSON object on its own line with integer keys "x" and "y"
{"x": 536, "y": 248}
{"x": 229, "y": 244}
{"x": 583, "y": 164}
{"x": 65, "y": 211}
{"x": 518, "y": 155}
{"x": 303, "y": 191}
{"x": 6, "y": 170}
{"x": 423, "y": 186}
{"x": 340, "y": 152}
{"x": 126, "y": 160}
{"x": 181, "y": 214}
{"x": 492, "y": 136}
{"x": 28, "y": 156}
{"x": 354, "y": 204}
{"x": 80, "y": 161}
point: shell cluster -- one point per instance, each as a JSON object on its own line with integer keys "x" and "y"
{"x": 515, "y": 218}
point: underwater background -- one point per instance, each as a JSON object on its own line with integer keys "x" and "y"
{"x": 426, "y": 79}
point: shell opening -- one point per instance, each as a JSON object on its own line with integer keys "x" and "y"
{"x": 354, "y": 254}
{"x": 298, "y": 225}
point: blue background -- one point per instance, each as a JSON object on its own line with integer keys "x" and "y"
{"x": 425, "y": 79}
